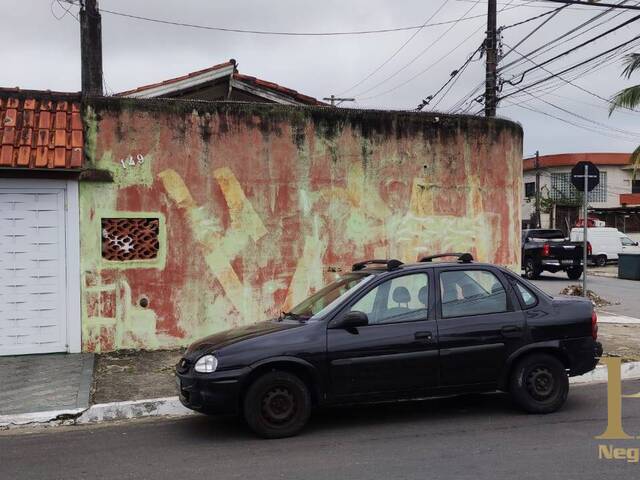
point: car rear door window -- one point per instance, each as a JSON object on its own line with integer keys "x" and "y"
{"x": 471, "y": 292}
{"x": 528, "y": 298}
{"x": 400, "y": 299}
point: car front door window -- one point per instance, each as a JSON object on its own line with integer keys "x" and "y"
{"x": 400, "y": 299}
{"x": 471, "y": 292}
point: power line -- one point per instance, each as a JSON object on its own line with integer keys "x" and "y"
{"x": 598, "y": 4}
{"x": 543, "y": 48}
{"x": 593, "y": 130}
{"x": 530, "y": 34}
{"x": 550, "y": 12}
{"x": 288, "y": 33}
{"x": 573, "y": 49}
{"x": 454, "y": 74}
{"x": 422, "y": 52}
{"x": 572, "y": 67}
{"x": 394, "y": 54}
{"x": 569, "y": 82}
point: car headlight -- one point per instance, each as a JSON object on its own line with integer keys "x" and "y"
{"x": 206, "y": 364}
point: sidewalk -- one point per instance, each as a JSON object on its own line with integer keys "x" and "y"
{"x": 38, "y": 383}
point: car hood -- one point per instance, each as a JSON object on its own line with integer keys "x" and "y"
{"x": 235, "y": 335}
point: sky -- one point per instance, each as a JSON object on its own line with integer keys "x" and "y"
{"x": 40, "y": 49}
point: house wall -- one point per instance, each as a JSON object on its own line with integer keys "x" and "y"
{"x": 259, "y": 205}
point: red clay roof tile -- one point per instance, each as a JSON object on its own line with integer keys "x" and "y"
{"x": 40, "y": 129}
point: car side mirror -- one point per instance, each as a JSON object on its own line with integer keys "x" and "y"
{"x": 353, "y": 319}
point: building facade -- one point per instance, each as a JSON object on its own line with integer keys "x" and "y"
{"x": 615, "y": 201}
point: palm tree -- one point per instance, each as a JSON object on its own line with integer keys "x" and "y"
{"x": 629, "y": 98}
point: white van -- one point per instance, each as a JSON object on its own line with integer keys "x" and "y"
{"x": 606, "y": 243}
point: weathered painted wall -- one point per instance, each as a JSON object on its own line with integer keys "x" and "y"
{"x": 261, "y": 204}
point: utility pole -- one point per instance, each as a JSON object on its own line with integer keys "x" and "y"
{"x": 538, "y": 224}
{"x": 491, "y": 49}
{"x": 333, "y": 99}
{"x": 91, "y": 48}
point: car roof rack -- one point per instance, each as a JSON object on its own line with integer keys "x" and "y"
{"x": 462, "y": 257}
{"x": 391, "y": 264}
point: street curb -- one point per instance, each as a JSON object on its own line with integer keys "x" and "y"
{"x": 171, "y": 406}
{"x": 603, "y": 274}
{"x": 166, "y": 406}
{"x": 153, "y": 407}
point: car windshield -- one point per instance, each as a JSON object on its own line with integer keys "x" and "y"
{"x": 325, "y": 299}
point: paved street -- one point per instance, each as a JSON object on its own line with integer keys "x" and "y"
{"x": 463, "y": 438}
{"x": 624, "y": 292}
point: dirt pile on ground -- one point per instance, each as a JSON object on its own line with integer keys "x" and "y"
{"x": 576, "y": 290}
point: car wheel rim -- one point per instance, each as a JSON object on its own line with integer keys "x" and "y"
{"x": 540, "y": 383}
{"x": 278, "y": 405}
{"x": 528, "y": 268}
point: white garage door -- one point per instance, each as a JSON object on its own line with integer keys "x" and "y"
{"x": 33, "y": 313}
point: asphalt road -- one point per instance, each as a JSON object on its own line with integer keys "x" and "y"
{"x": 471, "y": 437}
{"x": 624, "y": 294}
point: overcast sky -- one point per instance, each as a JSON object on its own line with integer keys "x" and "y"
{"x": 40, "y": 49}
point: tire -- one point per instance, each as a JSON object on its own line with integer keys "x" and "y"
{"x": 601, "y": 261}
{"x": 539, "y": 383}
{"x": 531, "y": 270}
{"x": 574, "y": 273}
{"x": 277, "y": 405}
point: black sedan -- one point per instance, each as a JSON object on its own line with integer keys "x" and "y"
{"x": 389, "y": 331}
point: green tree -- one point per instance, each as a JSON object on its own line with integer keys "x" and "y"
{"x": 629, "y": 97}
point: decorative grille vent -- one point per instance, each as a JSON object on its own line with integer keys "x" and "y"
{"x": 126, "y": 239}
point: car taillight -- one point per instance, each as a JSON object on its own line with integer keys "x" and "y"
{"x": 594, "y": 325}
{"x": 546, "y": 250}
{"x": 589, "y": 249}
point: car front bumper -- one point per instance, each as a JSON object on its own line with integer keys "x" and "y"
{"x": 212, "y": 393}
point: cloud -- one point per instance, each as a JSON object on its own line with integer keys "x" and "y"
{"x": 42, "y": 52}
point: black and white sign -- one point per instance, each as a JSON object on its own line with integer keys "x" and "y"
{"x": 577, "y": 176}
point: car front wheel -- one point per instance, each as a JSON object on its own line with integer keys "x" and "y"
{"x": 539, "y": 383}
{"x": 277, "y": 405}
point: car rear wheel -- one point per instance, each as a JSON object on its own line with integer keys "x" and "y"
{"x": 601, "y": 260}
{"x": 539, "y": 383}
{"x": 531, "y": 270}
{"x": 574, "y": 273}
{"x": 277, "y": 405}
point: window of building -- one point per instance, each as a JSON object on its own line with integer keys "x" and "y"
{"x": 530, "y": 189}
{"x": 125, "y": 239}
{"x": 635, "y": 186}
{"x": 401, "y": 299}
{"x": 563, "y": 191}
{"x": 471, "y": 292}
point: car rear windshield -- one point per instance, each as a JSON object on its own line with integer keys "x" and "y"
{"x": 323, "y": 300}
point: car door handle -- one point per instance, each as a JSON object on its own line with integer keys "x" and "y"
{"x": 511, "y": 331}
{"x": 424, "y": 336}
